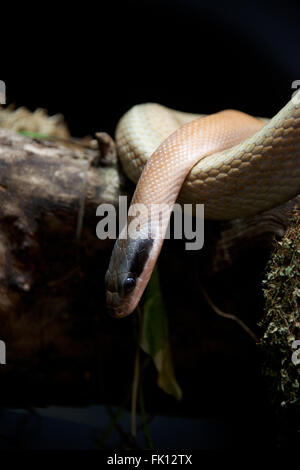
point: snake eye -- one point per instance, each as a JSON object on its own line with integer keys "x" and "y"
{"x": 129, "y": 284}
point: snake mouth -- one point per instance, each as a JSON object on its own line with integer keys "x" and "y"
{"x": 116, "y": 313}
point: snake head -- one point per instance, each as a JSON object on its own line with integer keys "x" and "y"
{"x": 127, "y": 275}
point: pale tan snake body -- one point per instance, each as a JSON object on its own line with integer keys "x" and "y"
{"x": 234, "y": 164}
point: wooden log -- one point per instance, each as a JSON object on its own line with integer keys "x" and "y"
{"x": 49, "y": 193}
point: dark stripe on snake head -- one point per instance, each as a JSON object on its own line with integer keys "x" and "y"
{"x": 138, "y": 255}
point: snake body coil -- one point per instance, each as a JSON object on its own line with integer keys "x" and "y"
{"x": 234, "y": 164}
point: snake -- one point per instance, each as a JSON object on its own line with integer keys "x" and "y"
{"x": 235, "y": 164}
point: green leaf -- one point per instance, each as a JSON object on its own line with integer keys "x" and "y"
{"x": 155, "y": 337}
{"x": 34, "y": 135}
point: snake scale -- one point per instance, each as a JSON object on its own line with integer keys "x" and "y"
{"x": 234, "y": 164}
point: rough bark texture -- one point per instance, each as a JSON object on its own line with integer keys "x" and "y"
{"x": 49, "y": 193}
{"x": 61, "y": 345}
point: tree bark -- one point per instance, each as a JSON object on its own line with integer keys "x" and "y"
{"x": 49, "y": 252}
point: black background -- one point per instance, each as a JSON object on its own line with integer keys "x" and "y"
{"x": 92, "y": 62}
